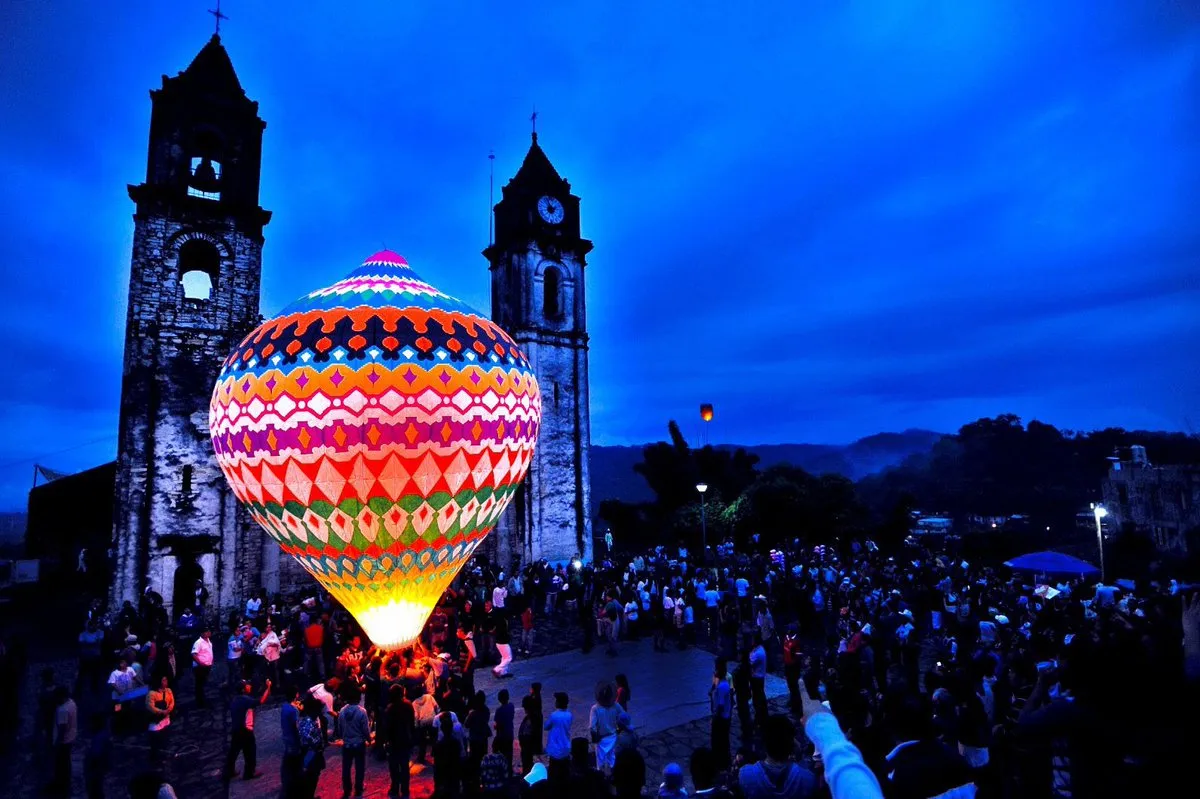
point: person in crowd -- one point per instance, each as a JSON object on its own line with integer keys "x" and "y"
{"x": 399, "y": 725}
{"x": 160, "y": 704}
{"x": 672, "y": 783}
{"x": 242, "y": 741}
{"x": 289, "y": 732}
{"x": 721, "y": 706}
{"x": 270, "y": 650}
{"x": 629, "y": 775}
{"x": 202, "y": 663}
{"x": 312, "y": 746}
{"x": 66, "y": 730}
{"x": 558, "y": 739}
{"x": 623, "y": 692}
{"x": 758, "y": 679}
{"x": 98, "y": 759}
{"x": 355, "y": 729}
{"x": 776, "y": 776}
{"x": 530, "y": 732}
{"x": 234, "y": 649}
{"x": 704, "y": 776}
{"x": 602, "y": 725}
{"x": 447, "y": 758}
{"x": 502, "y": 744}
{"x": 478, "y": 729}
{"x": 626, "y": 737}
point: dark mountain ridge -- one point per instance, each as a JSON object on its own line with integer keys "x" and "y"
{"x": 613, "y": 476}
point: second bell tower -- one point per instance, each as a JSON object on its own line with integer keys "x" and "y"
{"x": 537, "y": 271}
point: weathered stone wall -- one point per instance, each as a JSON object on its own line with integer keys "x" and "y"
{"x": 1161, "y": 502}
{"x": 551, "y": 517}
{"x": 174, "y": 349}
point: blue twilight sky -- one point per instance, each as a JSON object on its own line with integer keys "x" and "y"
{"x": 827, "y": 217}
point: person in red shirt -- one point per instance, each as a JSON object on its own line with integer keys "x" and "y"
{"x": 314, "y": 649}
{"x": 792, "y": 662}
{"x": 527, "y": 630}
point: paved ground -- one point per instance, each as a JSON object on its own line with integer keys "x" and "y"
{"x": 669, "y": 709}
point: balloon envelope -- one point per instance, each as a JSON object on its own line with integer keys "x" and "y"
{"x": 377, "y": 429}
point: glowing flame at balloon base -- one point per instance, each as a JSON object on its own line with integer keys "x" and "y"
{"x": 394, "y": 625}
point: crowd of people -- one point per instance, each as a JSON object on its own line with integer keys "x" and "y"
{"x": 914, "y": 674}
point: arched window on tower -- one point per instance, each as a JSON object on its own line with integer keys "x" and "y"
{"x": 551, "y": 287}
{"x": 187, "y": 479}
{"x": 199, "y": 265}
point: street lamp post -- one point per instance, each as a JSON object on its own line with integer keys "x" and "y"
{"x": 703, "y": 487}
{"x": 1100, "y": 512}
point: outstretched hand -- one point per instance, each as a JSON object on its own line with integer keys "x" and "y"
{"x": 810, "y": 707}
{"x": 1191, "y": 618}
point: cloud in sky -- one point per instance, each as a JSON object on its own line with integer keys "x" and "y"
{"x": 829, "y": 219}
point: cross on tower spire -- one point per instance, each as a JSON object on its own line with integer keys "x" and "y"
{"x": 218, "y": 16}
{"x": 533, "y": 122}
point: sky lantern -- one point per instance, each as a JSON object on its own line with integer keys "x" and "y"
{"x": 377, "y": 429}
{"x": 706, "y": 412}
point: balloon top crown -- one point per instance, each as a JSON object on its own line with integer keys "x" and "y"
{"x": 383, "y": 280}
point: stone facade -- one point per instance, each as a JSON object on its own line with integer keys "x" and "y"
{"x": 537, "y": 272}
{"x": 1161, "y": 502}
{"x": 193, "y": 294}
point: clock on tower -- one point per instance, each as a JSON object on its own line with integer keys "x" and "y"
{"x": 537, "y": 269}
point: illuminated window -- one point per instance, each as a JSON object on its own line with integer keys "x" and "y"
{"x": 199, "y": 265}
{"x": 551, "y": 281}
{"x": 197, "y": 285}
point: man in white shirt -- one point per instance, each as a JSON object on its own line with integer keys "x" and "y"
{"x": 499, "y": 594}
{"x": 202, "y": 662}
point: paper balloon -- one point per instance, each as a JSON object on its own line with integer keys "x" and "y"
{"x": 377, "y": 429}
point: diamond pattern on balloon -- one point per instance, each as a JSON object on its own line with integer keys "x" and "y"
{"x": 490, "y": 400}
{"x": 272, "y": 484}
{"x": 355, "y": 401}
{"x": 446, "y": 516}
{"x": 394, "y": 478}
{"x": 361, "y": 478}
{"x": 395, "y": 519}
{"x": 500, "y": 472}
{"x": 368, "y": 524}
{"x": 427, "y": 475}
{"x": 330, "y": 481}
{"x": 316, "y": 526}
{"x": 298, "y": 483}
{"x": 253, "y": 487}
{"x": 391, "y": 400}
{"x": 457, "y": 472}
{"x": 342, "y": 525}
{"x": 422, "y": 517}
{"x": 482, "y": 470}
{"x": 468, "y": 513}
{"x": 429, "y": 399}
{"x": 319, "y": 403}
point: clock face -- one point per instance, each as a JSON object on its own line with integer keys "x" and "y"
{"x": 551, "y": 210}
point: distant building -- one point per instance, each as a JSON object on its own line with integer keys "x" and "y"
{"x": 1162, "y": 502}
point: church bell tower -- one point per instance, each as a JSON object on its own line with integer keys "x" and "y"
{"x": 193, "y": 295}
{"x": 537, "y": 270}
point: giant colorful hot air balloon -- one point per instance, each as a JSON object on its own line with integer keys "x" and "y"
{"x": 377, "y": 429}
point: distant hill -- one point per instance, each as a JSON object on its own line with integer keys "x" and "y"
{"x": 613, "y": 476}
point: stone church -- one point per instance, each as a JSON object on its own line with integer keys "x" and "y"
{"x": 194, "y": 294}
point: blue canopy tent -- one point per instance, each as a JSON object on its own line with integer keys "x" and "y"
{"x": 1052, "y": 563}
